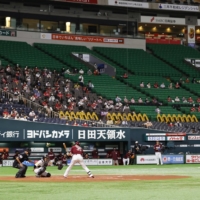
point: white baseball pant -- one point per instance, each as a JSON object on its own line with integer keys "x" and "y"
{"x": 76, "y": 159}
{"x": 115, "y": 162}
{"x": 126, "y": 160}
{"x": 44, "y": 174}
{"x": 158, "y": 158}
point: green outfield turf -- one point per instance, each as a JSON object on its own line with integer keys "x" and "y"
{"x": 179, "y": 189}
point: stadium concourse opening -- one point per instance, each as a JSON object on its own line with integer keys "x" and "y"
{"x": 173, "y": 33}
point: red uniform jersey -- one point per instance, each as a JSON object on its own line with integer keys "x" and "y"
{"x": 95, "y": 154}
{"x": 51, "y": 155}
{"x": 64, "y": 160}
{"x": 158, "y": 147}
{"x": 5, "y": 155}
{"x": 127, "y": 155}
{"x": 76, "y": 149}
{"x": 114, "y": 155}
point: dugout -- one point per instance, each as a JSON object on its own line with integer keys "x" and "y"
{"x": 41, "y": 136}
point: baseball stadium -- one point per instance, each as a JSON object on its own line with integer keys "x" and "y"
{"x": 99, "y": 99}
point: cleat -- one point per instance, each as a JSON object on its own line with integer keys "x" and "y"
{"x": 91, "y": 176}
{"x": 64, "y": 177}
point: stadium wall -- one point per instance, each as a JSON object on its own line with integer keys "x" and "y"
{"x": 34, "y": 37}
{"x": 35, "y": 132}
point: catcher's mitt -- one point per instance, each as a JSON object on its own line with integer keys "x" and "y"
{"x": 60, "y": 166}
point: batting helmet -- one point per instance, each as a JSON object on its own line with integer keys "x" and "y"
{"x": 77, "y": 143}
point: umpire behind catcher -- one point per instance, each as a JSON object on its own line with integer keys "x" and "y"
{"x": 18, "y": 163}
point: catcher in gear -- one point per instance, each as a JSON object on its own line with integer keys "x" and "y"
{"x": 40, "y": 167}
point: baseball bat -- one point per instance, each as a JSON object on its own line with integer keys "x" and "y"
{"x": 64, "y": 145}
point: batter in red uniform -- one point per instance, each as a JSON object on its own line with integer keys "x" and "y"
{"x": 77, "y": 157}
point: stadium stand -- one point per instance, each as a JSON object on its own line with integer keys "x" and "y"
{"x": 41, "y": 70}
{"x": 174, "y": 55}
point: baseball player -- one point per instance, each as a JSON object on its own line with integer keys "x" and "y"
{"x": 18, "y": 163}
{"x": 158, "y": 150}
{"x": 40, "y": 167}
{"x": 126, "y": 158}
{"x": 77, "y": 157}
{"x": 114, "y": 156}
{"x": 51, "y": 156}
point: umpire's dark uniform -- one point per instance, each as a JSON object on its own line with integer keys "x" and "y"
{"x": 18, "y": 163}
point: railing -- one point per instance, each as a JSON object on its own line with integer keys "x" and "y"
{"x": 28, "y": 103}
{"x": 111, "y": 34}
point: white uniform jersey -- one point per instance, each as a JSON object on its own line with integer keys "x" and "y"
{"x": 40, "y": 163}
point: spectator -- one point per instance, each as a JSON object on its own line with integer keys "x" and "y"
{"x": 117, "y": 99}
{"x": 149, "y": 85}
{"x": 35, "y": 119}
{"x": 190, "y": 100}
{"x": 148, "y": 124}
{"x": 126, "y": 100}
{"x": 154, "y": 100}
{"x": 162, "y": 85}
{"x": 52, "y": 98}
{"x": 96, "y": 72}
{"x": 125, "y": 75}
{"x": 147, "y": 101}
{"x": 81, "y": 72}
{"x": 23, "y": 118}
{"x": 177, "y": 86}
{"x": 177, "y": 99}
{"x": 32, "y": 114}
{"x": 142, "y": 84}
{"x": 126, "y": 108}
{"x": 156, "y": 85}
{"x": 132, "y": 100}
{"x": 170, "y": 86}
{"x": 187, "y": 80}
{"x": 118, "y": 122}
{"x": 169, "y": 99}
{"x": 85, "y": 124}
{"x": 198, "y": 100}
{"x": 5, "y": 113}
{"x": 81, "y": 80}
{"x": 198, "y": 109}
{"x": 193, "y": 109}
{"x": 90, "y": 85}
{"x": 48, "y": 84}
{"x": 157, "y": 110}
{"x": 171, "y": 124}
{"x": 89, "y": 72}
{"x": 140, "y": 100}
{"x": 109, "y": 122}
{"x": 67, "y": 72}
{"x": 75, "y": 123}
{"x": 125, "y": 122}
{"x": 184, "y": 100}
{"x": 178, "y": 124}
{"x": 193, "y": 80}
